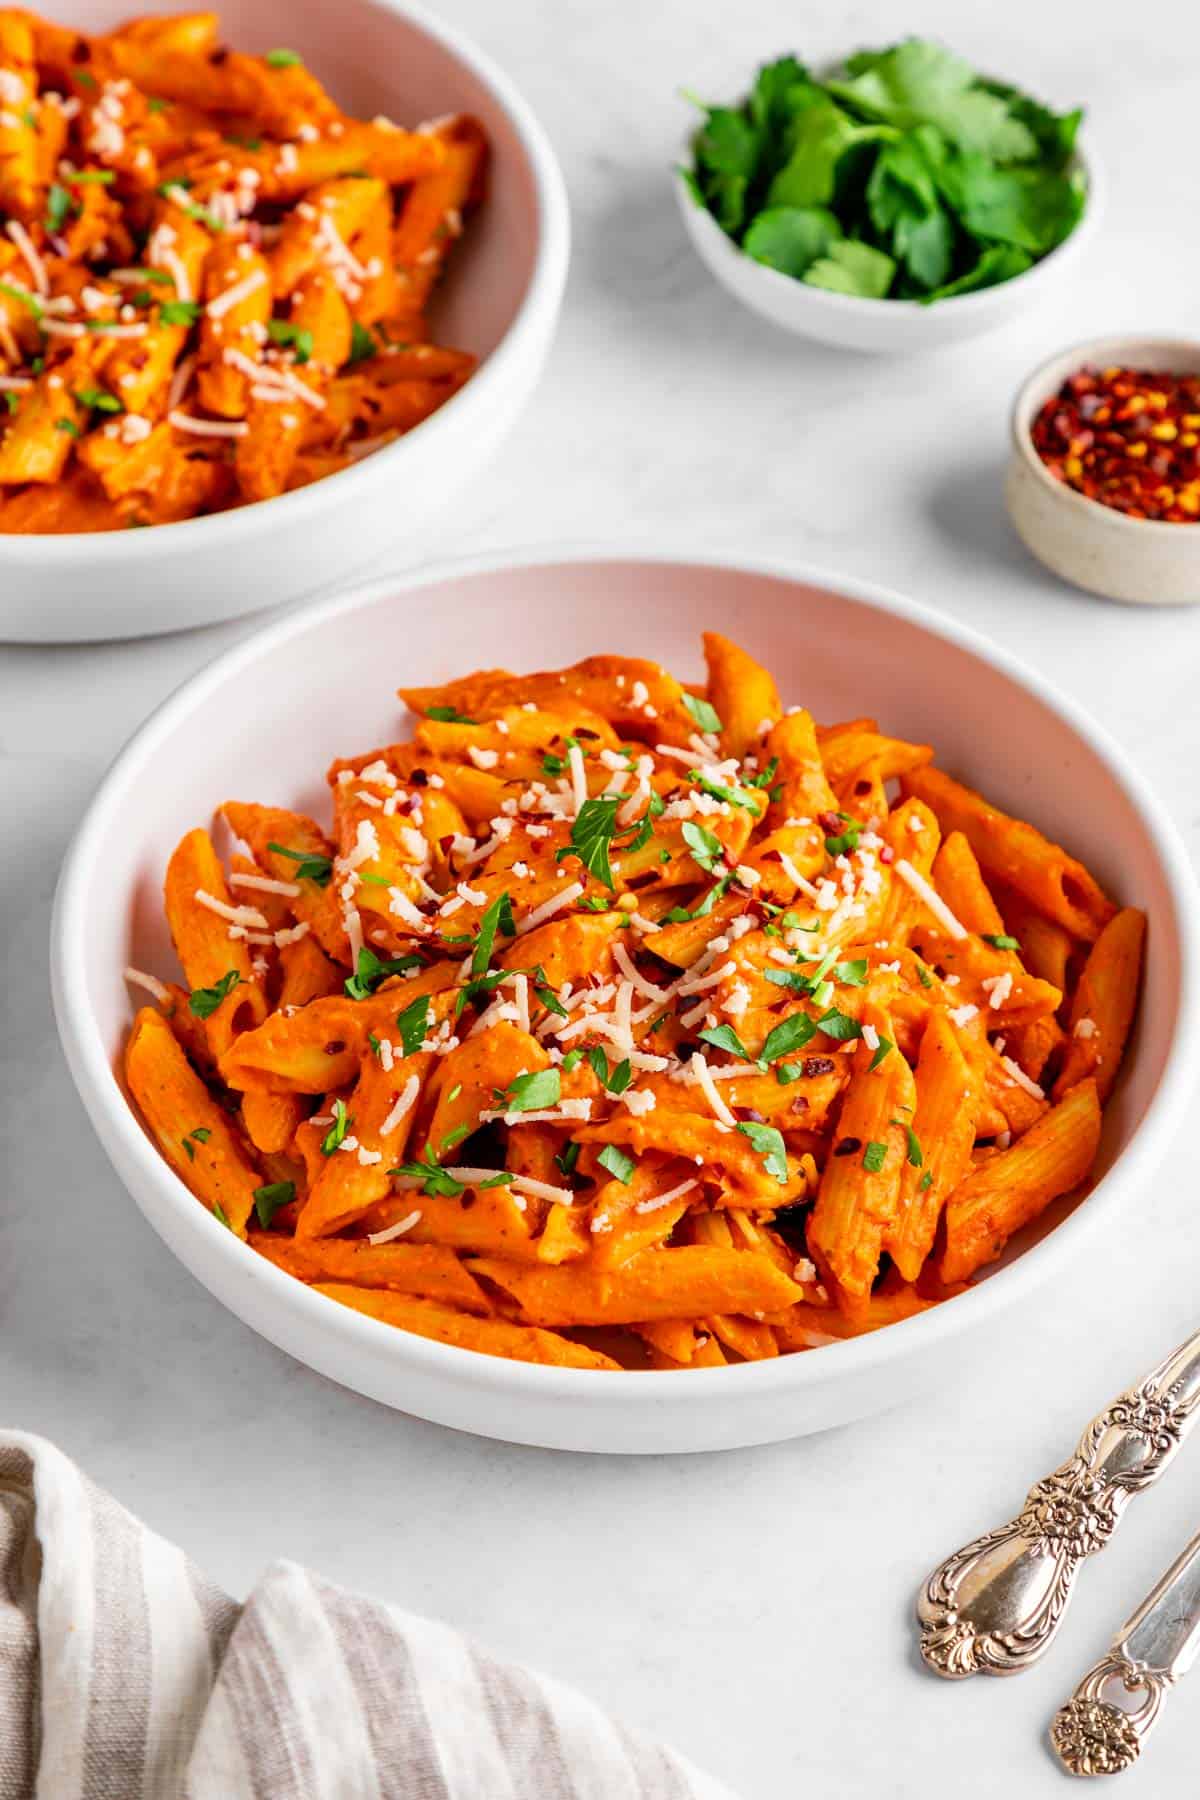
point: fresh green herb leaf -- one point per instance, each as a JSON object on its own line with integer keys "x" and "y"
{"x": 220, "y": 1215}
{"x": 434, "y": 1179}
{"x": 312, "y": 865}
{"x": 372, "y": 969}
{"x": 724, "y": 1037}
{"x": 537, "y": 1091}
{"x": 791, "y": 238}
{"x": 337, "y": 1131}
{"x": 413, "y": 1024}
{"x": 915, "y": 1157}
{"x": 497, "y": 918}
{"x": 706, "y": 848}
{"x": 923, "y": 975}
{"x": 885, "y": 1047}
{"x": 84, "y": 78}
{"x": 618, "y": 1162}
{"x": 155, "y": 105}
{"x": 362, "y": 344}
{"x": 848, "y": 840}
{"x": 732, "y": 796}
{"x": 546, "y": 994}
{"x": 792, "y": 1033}
{"x": 874, "y": 1157}
{"x": 179, "y": 312}
{"x": 269, "y": 1199}
{"x": 571, "y": 1060}
{"x": 58, "y": 207}
{"x": 770, "y": 1146}
{"x": 851, "y": 974}
{"x": 680, "y": 915}
{"x": 705, "y": 715}
{"x": 567, "y": 1158}
{"x": 850, "y": 267}
{"x": 69, "y": 426}
{"x": 448, "y": 715}
{"x": 839, "y": 1026}
{"x": 592, "y": 834}
{"x": 926, "y": 1180}
{"x": 101, "y": 177}
{"x": 203, "y": 1002}
{"x": 764, "y": 777}
{"x": 1001, "y": 941}
{"x": 283, "y": 332}
{"x": 455, "y": 1137}
{"x": 284, "y": 59}
{"x": 98, "y": 401}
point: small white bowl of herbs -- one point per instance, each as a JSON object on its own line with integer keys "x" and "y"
{"x": 898, "y": 203}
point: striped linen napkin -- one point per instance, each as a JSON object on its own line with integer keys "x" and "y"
{"x": 125, "y": 1674}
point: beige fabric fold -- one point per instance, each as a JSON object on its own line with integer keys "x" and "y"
{"x": 125, "y": 1674}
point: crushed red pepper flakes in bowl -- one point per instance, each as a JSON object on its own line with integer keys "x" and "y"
{"x": 1127, "y": 438}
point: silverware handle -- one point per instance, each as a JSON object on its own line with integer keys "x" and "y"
{"x": 1097, "y": 1735}
{"x": 994, "y": 1606}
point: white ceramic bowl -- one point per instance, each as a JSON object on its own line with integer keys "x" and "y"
{"x": 844, "y": 648}
{"x": 1147, "y": 561}
{"x": 882, "y": 325}
{"x": 501, "y": 299}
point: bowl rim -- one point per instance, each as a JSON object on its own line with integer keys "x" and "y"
{"x": 304, "y": 506}
{"x": 1084, "y": 159}
{"x": 1037, "y": 387}
{"x": 125, "y": 1140}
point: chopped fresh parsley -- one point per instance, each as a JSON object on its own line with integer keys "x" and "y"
{"x": 101, "y": 177}
{"x": 11, "y": 401}
{"x": 337, "y": 1131}
{"x": 905, "y": 175}
{"x": 283, "y": 332}
{"x": 706, "y": 848}
{"x": 312, "y": 864}
{"x": 915, "y": 1156}
{"x": 546, "y": 994}
{"x": 733, "y": 796}
{"x": 614, "y": 1080}
{"x": 705, "y": 716}
{"x": 372, "y": 969}
{"x": 594, "y": 834}
{"x": 413, "y": 1023}
{"x": 1001, "y": 941}
{"x": 923, "y": 975}
{"x": 179, "y": 312}
{"x": 269, "y": 1199}
{"x": 571, "y": 1060}
{"x": 362, "y": 347}
{"x": 539, "y": 1089}
{"x": 567, "y": 1158}
{"x": 885, "y": 1047}
{"x": 455, "y": 1137}
{"x": 497, "y": 919}
{"x": 679, "y": 915}
{"x": 618, "y": 1162}
{"x": 839, "y": 1025}
{"x": 220, "y": 1215}
{"x": 926, "y": 1181}
{"x": 840, "y": 846}
{"x": 284, "y": 59}
{"x": 96, "y": 400}
{"x": 83, "y": 78}
{"x": 448, "y": 715}
{"x": 765, "y": 777}
{"x": 203, "y": 1002}
{"x": 724, "y": 1037}
{"x": 790, "y": 1034}
{"x": 874, "y": 1157}
{"x": 69, "y": 426}
{"x": 851, "y": 974}
{"x": 435, "y": 1180}
{"x": 770, "y": 1146}
{"x": 155, "y": 105}
{"x": 58, "y": 206}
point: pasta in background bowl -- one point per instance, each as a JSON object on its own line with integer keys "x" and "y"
{"x": 844, "y": 652}
{"x": 220, "y": 292}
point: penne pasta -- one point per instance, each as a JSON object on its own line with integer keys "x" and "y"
{"x": 604, "y": 1003}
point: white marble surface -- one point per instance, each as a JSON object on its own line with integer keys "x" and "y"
{"x": 753, "y": 1607}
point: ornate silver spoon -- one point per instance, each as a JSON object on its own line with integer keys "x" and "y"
{"x": 1093, "y": 1735}
{"x": 994, "y": 1606}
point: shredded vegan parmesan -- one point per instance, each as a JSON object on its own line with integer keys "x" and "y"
{"x": 548, "y": 908}
{"x": 708, "y": 1088}
{"x": 933, "y": 900}
{"x": 236, "y": 915}
{"x": 215, "y": 428}
{"x": 396, "y": 1230}
{"x": 152, "y": 985}
{"x": 405, "y": 1101}
{"x": 1022, "y": 1079}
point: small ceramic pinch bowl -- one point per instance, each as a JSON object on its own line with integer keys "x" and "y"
{"x": 883, "y": 326}
{"x": 1150, "y": 562}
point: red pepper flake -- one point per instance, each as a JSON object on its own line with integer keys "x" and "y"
{"x": 1128, "y": 438}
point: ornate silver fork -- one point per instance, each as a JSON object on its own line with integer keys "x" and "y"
{"x": 994, "y": 1606}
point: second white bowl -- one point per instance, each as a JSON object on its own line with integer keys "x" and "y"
{"x": 501, "y": 301}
